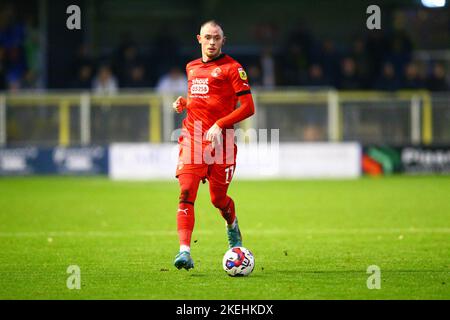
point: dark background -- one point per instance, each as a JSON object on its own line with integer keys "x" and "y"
{"x": 299, "y": 36}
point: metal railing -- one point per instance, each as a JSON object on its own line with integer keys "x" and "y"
{"x": 301, "y": 115}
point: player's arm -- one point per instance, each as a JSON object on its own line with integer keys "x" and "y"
{"x": 239, "y": 81}
{"x": 246, "y": 109}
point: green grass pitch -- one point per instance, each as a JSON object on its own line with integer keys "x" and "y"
{"x": 311, "y": 239}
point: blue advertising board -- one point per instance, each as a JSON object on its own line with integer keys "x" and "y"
{"x": 91, "y": 160}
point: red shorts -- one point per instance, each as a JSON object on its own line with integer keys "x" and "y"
{"x": 220, "y": 172}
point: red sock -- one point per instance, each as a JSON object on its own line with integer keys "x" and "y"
{"x": 185, "y": 223}
{"x": 185, "y": 216}
{"x": 229, "y": 213}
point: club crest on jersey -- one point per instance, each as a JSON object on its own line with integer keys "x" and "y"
{"x": 242, "y": 74}
{"x": 216, "y": 72}
{"x": 200, "y": 86}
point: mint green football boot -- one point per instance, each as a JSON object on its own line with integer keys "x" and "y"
{"x": 234, "y": 236}
{"x": 184, "y": 260}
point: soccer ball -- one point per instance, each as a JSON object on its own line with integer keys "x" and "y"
{"x": 238, "y": 261}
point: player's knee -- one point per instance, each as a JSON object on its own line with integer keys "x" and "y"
{"x": 188, "y": 188}
{"x": 184, "y": 195}
{"x": 188, "y": 193}
{"x": 219, "y": 201}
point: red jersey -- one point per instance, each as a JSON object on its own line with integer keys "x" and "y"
{"x": 213, "y": 90}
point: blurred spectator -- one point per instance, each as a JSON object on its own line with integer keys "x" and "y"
{"x": 399, "y": 51}
{"x": 437, "y": 81}
{"x": 127, "y": 62}
{"x": 294, "y": 65}
{"x": 313, "y": 132}
{"x": 376, "y": 46}
{"x": 388, "y": 80}
{"x": 136, "y": 78}
{"x": 29, "y": 81}
{"x": 12, "y": 31}
{"x": 13, "y": 82}
{"x": 348, "y": 79}
{"x": 301, "y": 36}
{"x": 254, "y": 75}
{"x": 105, "y": 82}
{"x": 19, "y": 44}
{"x": 16, "y": 64}
{"x": 412, "y": 78}
{"x": 328, "y": 59}
{"x": 268, "y": 68}
{"x": 32, "y": 51}
{"x": 381, "y": 61}
{"x": 126, "y": 40}
{"x": 316, "y": 76}
{"x": 165, "y": 51}
{"x": 173, "y": 82}
{"x": 83, "y": 58}
{"x": 359, "y": 55}
{"x": 84, "y": 77}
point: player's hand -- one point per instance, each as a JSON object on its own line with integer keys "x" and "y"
{"x": 214, "y": 135}
{"x": 179, "y": 105}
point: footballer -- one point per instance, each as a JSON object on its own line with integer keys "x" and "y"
{"x": 216, "y": 83}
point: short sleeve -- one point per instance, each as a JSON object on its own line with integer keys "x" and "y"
{"x": 239, "y": 80}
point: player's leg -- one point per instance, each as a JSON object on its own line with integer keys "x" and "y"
{"x": 219, "y": 177}
{"x": 189, "y": 184}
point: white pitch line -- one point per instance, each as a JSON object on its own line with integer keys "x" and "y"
{"x": 150, "y": 233}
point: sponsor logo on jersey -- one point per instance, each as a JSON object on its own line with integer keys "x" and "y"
{"x": 242, "y": 74}
{"x": 199, "y": 86}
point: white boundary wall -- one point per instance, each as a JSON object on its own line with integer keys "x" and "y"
{"x": 131, "y": 161}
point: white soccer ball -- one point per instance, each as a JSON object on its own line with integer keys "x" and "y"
{"x": 238, "y": 261}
